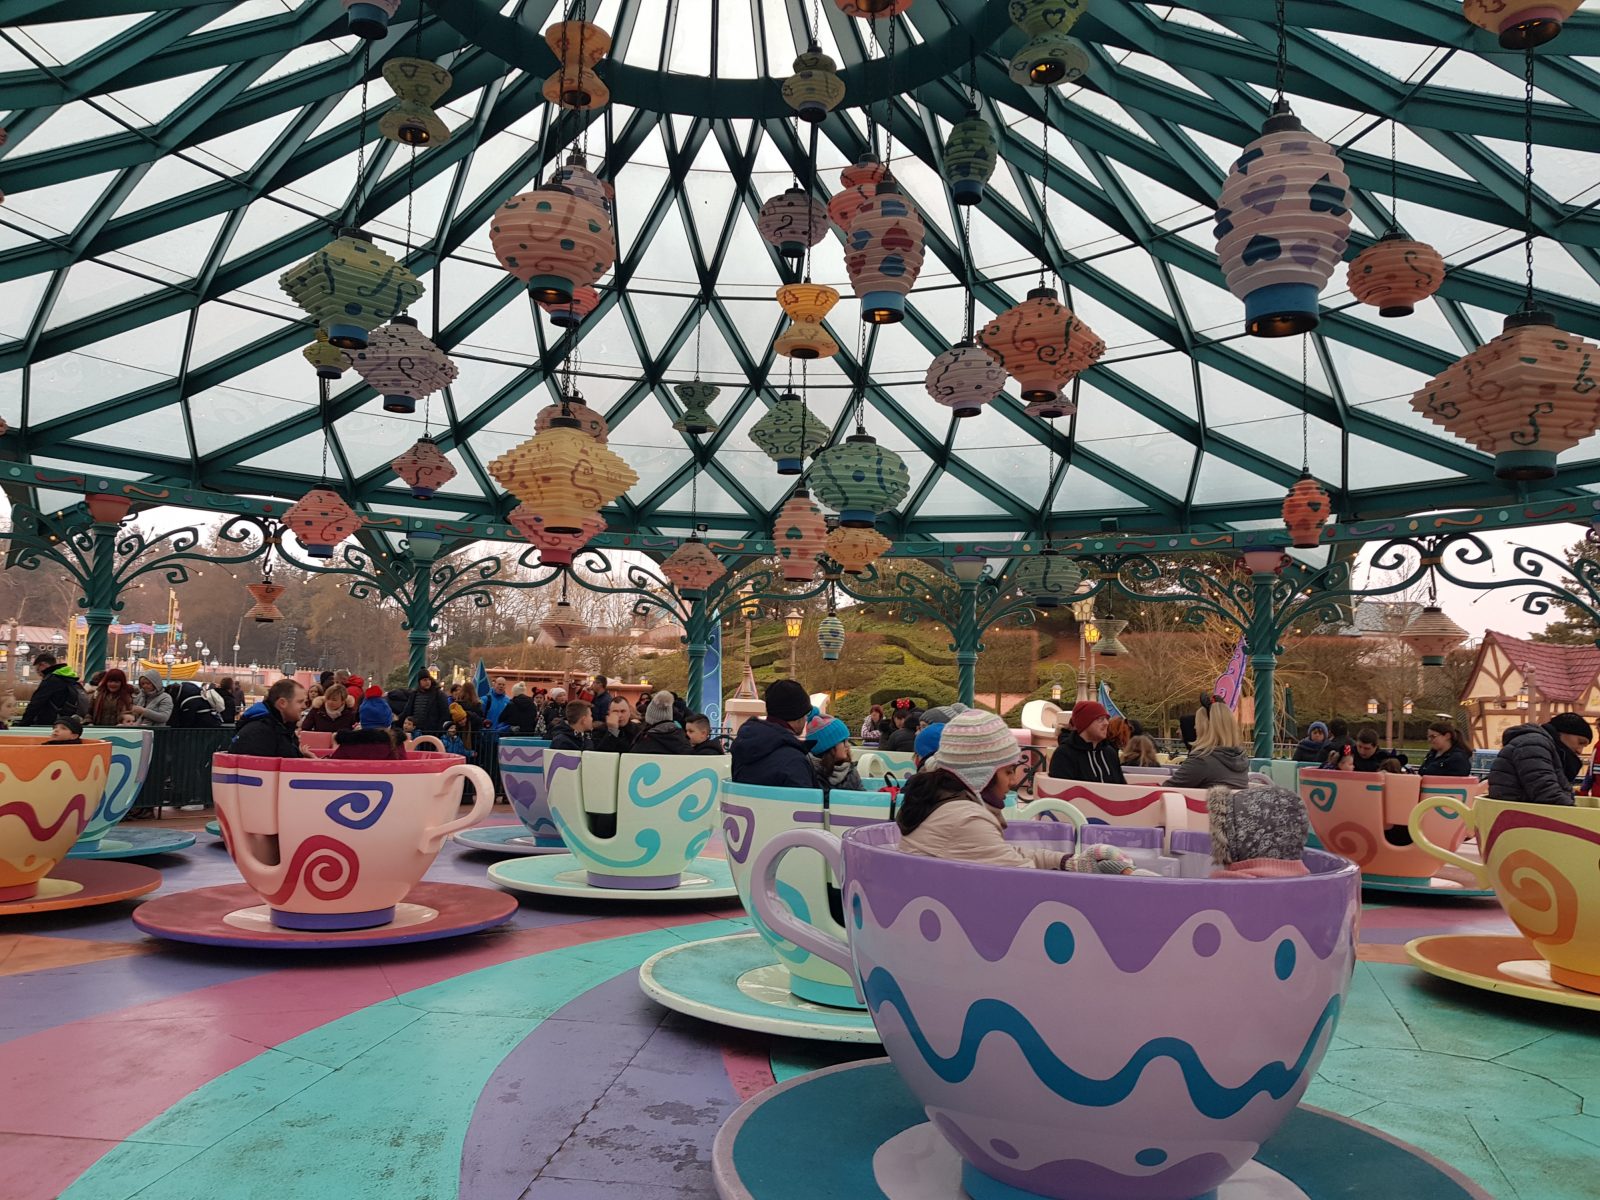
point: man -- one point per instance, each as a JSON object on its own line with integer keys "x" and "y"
{"x": 903, "y": 738}
{"x": 618, "y": 732}
{"x": 1369, "y": 754}
{"x": 769, "y": 752}
{"x": 829, "y": 739}
{"x": 1537, "y": 764}
{"x": 660, "y": 734}
{"x": 571, "y": 731}
{"x": 494, "y": 708}
{"x": 1083, "y": 750}
{"x": 602, "y": 700}
{"x": 428, "y": 706}
{"x": 56, "y": 695}
{"x": 267, "y": 729}
{"x": 697, "y": 728}
{"x": 325, "y": 680}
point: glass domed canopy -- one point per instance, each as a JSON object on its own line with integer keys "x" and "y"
{"x": 165, "y": 163}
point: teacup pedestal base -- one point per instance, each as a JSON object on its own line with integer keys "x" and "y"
{"x": 331, "y": 922}
{"x": 1504, "y": 963}
{"x": 1450, "y": 883}
{"x": 734, "y": 980}
{"x": 75, "y": 883}
{"x": 508, "y": 839}
{"x": 887, "y": 1150}
{"x": 564, "y": 875}
{"x": 134, "y": 843}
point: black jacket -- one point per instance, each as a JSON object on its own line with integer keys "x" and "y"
{"x": 768, "y": 754}
{"x": 600, "y": 706}
{"x": 620, "y": 742}
{"x": 521, "y": 716}
{"x": 562, "y": 737}
{"x": 901, "y": 741}
{"x": 664, "y": 737}
{"x": 1311, "y": 751}
{"x": 1375, "y": 763}
{"x": 56, "y": 695}
{"x": 711, "y": 747}
{"x": 1533, "y": 767}
{"x": 264, "y": 735}
{"x": 1454, "y": 761}
{"x": 429, "y": 710}
{"x": 1077, "y": 759}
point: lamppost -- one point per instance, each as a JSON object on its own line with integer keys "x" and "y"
{"x": 1083, "y": 612}
{"x": 1055, "y": 690}
{"x": 21, "y": 658}
{"x": 171, "y": 660}
{"x": 794, "y": 622}
{"x": 135, "y": 649}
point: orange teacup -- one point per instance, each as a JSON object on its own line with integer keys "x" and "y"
{"x": 47, "y": 795}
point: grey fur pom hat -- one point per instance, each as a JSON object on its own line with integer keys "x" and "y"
{"x": 1256, "y": 822}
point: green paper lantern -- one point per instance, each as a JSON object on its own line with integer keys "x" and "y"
{"x": 1048, "y": 579}
{"x": 970, "y": 155}
{"x": 830, "y": 637}
{"x": 788, "y": 433}
{"x": 859, "y": 479}
{"x": 350, "y": 287}
{"x": 696, "y": 398}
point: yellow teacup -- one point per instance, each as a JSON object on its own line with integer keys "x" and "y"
{"x": 47, "y": 795}
{"x": 1540, "y": 861}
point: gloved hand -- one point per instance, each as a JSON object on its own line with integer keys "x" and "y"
{"x": 1100, "y": 859}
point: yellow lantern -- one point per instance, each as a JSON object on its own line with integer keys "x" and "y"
{"x": 856, "y": 549}
{"x": 806, "y": 305}
{"x": 350, "y": 287}
{"x": 563, "y": 475}
{"x": 815, "y": 89}
{"x": 578, "y": 46}
{"x": 417, "y": 83}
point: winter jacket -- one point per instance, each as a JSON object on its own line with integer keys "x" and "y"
{"x": 601, "y": 706}
{"x": 869, "y": 732}
{"x": 1077, "y": 759}
{"x": 1533, "y": 767}
{"x": 1225, "y": 765}
{"x": 663, "y": 737}
{"x": 1312, "y": 751}
{"x": 365, "y": 744}
{"x": 319, "y": 720}
{"x": 620, "y": 742}
{"x": 1454, "y": 761}
{"x": 429, "y": 710}
{"x": 190, "y": 707}
{"x": 563, "y": 738}
{"x": 263, "y": 734}
{"x": 767, "y": 753}
{"x": 454, "y": 745}
{"x": 56, "y": 695}
{"x": 964, "y": 827}
{"x": 520, "y": 716}
{"x": 711, "y": 748}
{"x": 901, "y": 741}
{"x": 158, "y": 705}
{"x": 1375, "y": 763}
{"x": 494, "y": 708}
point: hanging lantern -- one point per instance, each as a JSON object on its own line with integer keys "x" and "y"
{"x": 562, "y": 633}
{"x": 570, "y": 315}
{"x": 1042, "y": 345}
{"x": 789, "y": 433}
{"x": 1520, "y": 24}
{"x": 403, "y": 365}
{"x": 554, "y": 241}
{"x": 806, "y": 305}
{"x": 1044, "y": 60}
{"x": 1048, "y": 579}
{"x": 830, "y": 637}
{"x": 815, "y": 89}
{"x": 798, "y": 535}
{"x": 350, "y": 287}
{"x": 589, "y": 421}
{"x": 1394, "y": 274}
{"x": 854, "y": 550}
{"x": 424, "y": 468}
{"x": 857, "y": 183}
{"x": 563, "y": 475}
{"x": 578, "y": 46}
{"x": 330, "y": 361}
{"x": 265, "y": 594}
{"x": 369, "y": 19}
{"x": 418, "y": 83}
{"x": 696, "y": 398}
{"x": 1055, "y": 407}
{"x": 1283, "y": 221}
{"x": 555, "y": 549}
{"x": 883, "y": 254}
{"x": 1305, "y": 511}
{"x": 692, "y": 568}
{"x": 970, "y": 155}
{"x": 792, "y": 220}
{"x": 1433, "y": 635}
{"x": 321, "y": 520}
{"x": 575, "y": 176}
{"x": 859, "y": 479}
{"x": 872, "y": 10}
{"x": 1523, "y": 396}
{"x": 965, "y": 378}
{"x": 1110, "y": 645}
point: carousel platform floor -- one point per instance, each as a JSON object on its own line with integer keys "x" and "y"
{"x": 523, "y": 1063}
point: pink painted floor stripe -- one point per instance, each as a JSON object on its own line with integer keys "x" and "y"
{"x": 748, "y": 1059}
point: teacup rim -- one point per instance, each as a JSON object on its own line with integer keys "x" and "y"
{"x": 416, "y": 762}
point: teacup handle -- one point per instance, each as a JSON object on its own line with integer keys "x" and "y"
{"x": 482, "y": 805}
{"x": 1477, "y": 870}
{"x": 433, "y": 743}
{"x": 776, "y": 914}
{"x": 1060, "y": 809}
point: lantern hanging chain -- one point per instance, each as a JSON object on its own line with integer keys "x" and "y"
{"x": 1305, "y": 406}
{"x": 1394, "y": 178}
{"x": 411, "y": 195}
{"x": 1049, "y": 475}
{"x": 872, "y": 109}
{"x": 888, "y": 104}
{"x": 699, "y": 327}
{"x": 1044, "y": 199}
{"x": 322, "y": 417}
{"x": 815, "y": 30}
{"x": 861, "y": 385}
{"x": 1527, "y": 177}
{"x": 1283, "y": 51}
{"x": 361, "y": 135}
{"x": 966, "y": 249}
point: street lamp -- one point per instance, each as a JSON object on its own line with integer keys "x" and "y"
{"x": 1372, "y": 707}
{"x": 1055, "y": 690}
{"x": 794, "y": 622}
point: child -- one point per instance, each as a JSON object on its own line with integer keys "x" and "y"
{"x": 453, "y": 743}
{"x": 1257, "y": 833}
{"x": 375, "y": 712}
{"x": 367, "y": 743}
{"x": 67, "y": 731}
{"x": 698, "y": 727}
{"x": 1341, "y": 758}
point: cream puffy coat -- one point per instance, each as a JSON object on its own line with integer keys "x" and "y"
{"x": 971, "y": 831}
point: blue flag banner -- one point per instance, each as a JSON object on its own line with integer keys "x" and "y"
{"x": 1107, "y": 703}
{"x": 481, "y": 685}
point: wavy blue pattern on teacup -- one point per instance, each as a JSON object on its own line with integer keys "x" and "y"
{"x": 647, "y": 840}
{"x": 649, "y": 774}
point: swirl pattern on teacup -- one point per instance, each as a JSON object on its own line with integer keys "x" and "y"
{"x": 701, "y": 787}
{"x": 324, "y": 866}
{"x": 1353, "y": 841}
{"x": 354, "y": 808}
{"x": 1544, "y": 900}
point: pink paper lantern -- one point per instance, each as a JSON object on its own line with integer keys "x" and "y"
{"x": 554, "y": 241}
{"x": 571, "y": 314}
{"x": 692, "y": 567}
{"x": 321, "y": 520}
{"x": 589, "y": 421}
{"x": 424, "y": 468}
{"x": 965, "y": 378}
{"x": 1042, "y": 345}
{"x": 403, "y": 365}
{"x": 883, "y": 254}
{"x": 792, "y": 221}
{"x": 798, "y": 535}
{"x": 857, "y": 183}
{"x": 555, "y": 549}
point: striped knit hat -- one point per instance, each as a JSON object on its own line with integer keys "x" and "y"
{"x": 975, "y": 745}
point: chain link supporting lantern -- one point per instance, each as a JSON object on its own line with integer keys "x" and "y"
{"x": 970, "y": 155}
{"x": 788, "y": 434}
{"x": 692, "y": 567}
{"x": 1283, "y": 222}
{"x": 815, "y": 89}
{"x": 570, "y": 315}
{"x": 553, "y": 240}
{"x": 403, "y": 365}
{"x": 265, "y": 594}
{"x": 1520, "y": 24}
{"x": 859, "y": 479}
{"x": 350, "y": 287}
{"x": 1523, "y": 396}
{"x": 696, "y": 399}
{"x": 965, "y": 378}
{"x": 589, "y": 420}
{"x": 555, "y": 549}
{"x": 575, "y": 176}
{"x": 417, "y": 83}
{"x": 883, "y": 253}
{"x": 1042, "y": 345}
{"x": 854, "y": 550}
{"x": 563, "y": 475}
{"x": 330, "y": 361}
{"x": 1048, "y": 579}
{"x": 578, "y": 46}
{"x": 798, "y": 535}
{"x": 1395, "y": 274}
{"x": 1432, "y": 635}
{"x": 830, "y": 637}
{"x": 857, "y": 183}
{"x": 1046, "y": 57}
{"x": 369, "y": 19}
{"x": 1306, "y": 509}
{"x": 424, "y": 468}
{"x": 793, "y": 220}
{"x": 807, "y": 306}
{"x": 321, "y": 520}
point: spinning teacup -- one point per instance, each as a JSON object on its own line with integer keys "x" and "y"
{"x": 634, "y": 821}
{"x": 522, "y": 774}
{"x": 1540, "y": 861}
{"x": 47, "y": 796}
{"x": 1079, "y": 1036}
{"x": 1357, "y": 815}
{"x": 130, "y": 763}
{"x": 336, "y": 843}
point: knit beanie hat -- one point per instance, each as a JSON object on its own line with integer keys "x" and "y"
{"x": 787, "y": 700}
{"x": 1086, "y": 714}
{"x": 519, "y": 689}
{"x": 373, "y": 693}
{"x": 823, "y": 732}
{"x": 928, "y": 739}
{"x": 942, "y": 713}
{"x": 1315, "y": 726}
{"x": 355, "y": 685}
{"x": 974, "y": 746}
{"x": 1571, "y": 722}
{"x": 659, "y": 708}
{"x": 71, "y": 722}
{"x": 375, "y": 712}
{"x": 1256, "y": 822}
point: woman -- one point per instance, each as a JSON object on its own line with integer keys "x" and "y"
{"x": 428, "y": 706}
{"x": 1083, "y": 750}
{"x": 1449, "y": 751}
{"x": 230, "y": 693}
{"x": 473, "y": 708}
{"x": 1218, "y": 756}
{"x": 871, "y": 727}
{"x": 521, "y": 715}
{"x": 152, "y": 707}
{"x": 113, "y": 700}
{"x": 335, "y": 715}
{"x": 1141, "y": 752}
{"x": 1313, "y": 748}
{"x": 660, "y": 734}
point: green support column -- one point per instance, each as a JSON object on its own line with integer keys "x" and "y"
{"x": 697, "y": 634}
{"x": 1262, "y": 641}
{"x": 100, "y": 603}
{"x": 967, "y": 643}
{"x": 419, "y": 621}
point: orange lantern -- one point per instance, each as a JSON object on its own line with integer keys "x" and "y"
{"x": 692, "y": 567}
{"x": 799, "y": 535}
{"x": 883, "y": 253}
{"x": 1520, "y": 24}
{"x": 578, "y": 46}
{"x": 571, "y": 314}
{"x": 265, "y": 607}
{"x": 806, "y": 305}
{"x": 555, "y": 549}
{"x": 554, "y": 241}
{"x": 856, "y": 549}
{"x": 321, "y": 520}
{"x": 563, "y": 475}
{"x": 872, "y": 10}
{"x": 857, "y": 183}
{"x": 590, "y": 421}
{"x": 1305, "y": 511}
{"x": 424, "y": 468}
{"x": 1394, "y": 274}
{"x": 1432, "y": 635}
{"x": 1042, "y": 345}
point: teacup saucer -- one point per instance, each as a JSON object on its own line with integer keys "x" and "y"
{"x": 234, "y": 916}
{"x": 887, "y": 1150}
{"x": 1448, "y": 883}
{"x": 214, "y": 828}
{"x": 136, "y": 843}
{"x": 506, "y": 839}
{"x": 1505, "y": 963}
{"x": 562, "y": 875}
{"x": 735, "y": 980}
{"x": 78, "y": 884}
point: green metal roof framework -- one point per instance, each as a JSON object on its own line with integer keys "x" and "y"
{"x": 166, "y": 161}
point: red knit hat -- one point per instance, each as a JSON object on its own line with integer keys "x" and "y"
{"x": 1086, "y": 714}
{"x": 374, "y": 692}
